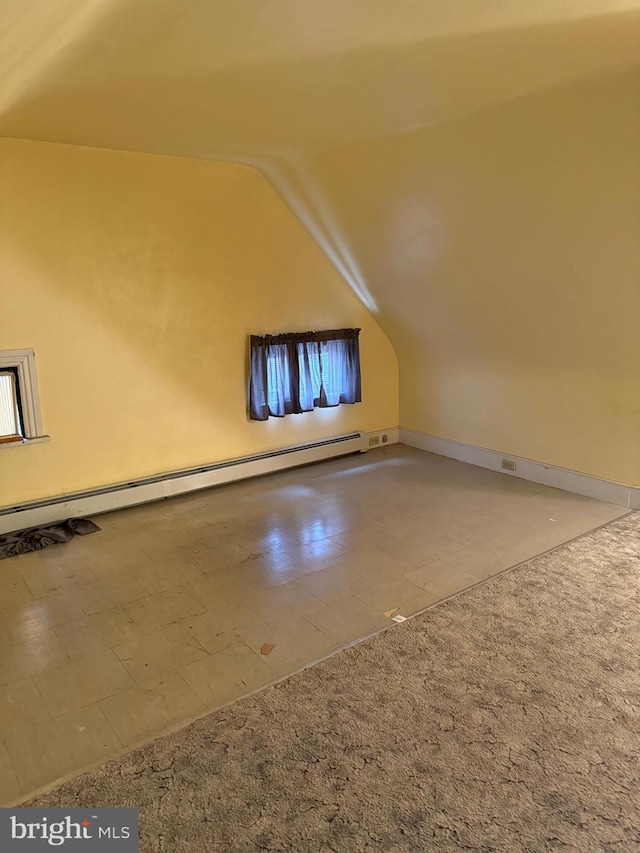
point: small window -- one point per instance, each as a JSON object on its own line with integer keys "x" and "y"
{"x": 300, "y": 371}
{"x": 20, "y": 418}
{"x": 11, "y": 428}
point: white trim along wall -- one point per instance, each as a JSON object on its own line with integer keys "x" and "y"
{"x": 527, "y": 469}
{"x": 162, "y": 486}
{"x": 25, "y": 361}
{"x": 117, "y": 496}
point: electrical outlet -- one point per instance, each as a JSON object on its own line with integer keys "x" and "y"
{"x": 509, "y": 465}
{"x": 373, "y": 440}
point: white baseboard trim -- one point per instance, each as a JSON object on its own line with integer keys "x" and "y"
{"x": 155, "y": 488}
{"x": 526, "y": 469}
{"x": 120, "y": 495}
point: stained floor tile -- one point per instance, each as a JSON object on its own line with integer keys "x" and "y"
{"x": 337, "y": 580}
{"x": 20, "y": 704}
{"x": 161, "y": 616}
{"x": 45, "y": 580}
{"x": 42, "y": 753}
{"x": 115, "y": 590}
{"x": 155, "y": 654}
{"x": 221, "y": 589}
{"x": 10, "y": 790}
{"x": 398, "y": 593}
{"x": 223, "y": 676}
{"x": 28, "y": 620}
{"x": 286, "y": 601}
{"x": 346, "y": 618}
{"x": 14, "y": 591}
{"x": 160, "y": 577}
{"x": 158, "y": 611}
{"x": 479, "y": 562}
{"x": 441, "y": 579}
{"x": 81, "y": 682}
{"x": 23, "y": 658}
{"x": 121, "y": 558}
{"x": 295, "y": 642}
{"x": 152, "y": 705}
{"x": 226, "y": 627}
{"x": 90, "y": 634}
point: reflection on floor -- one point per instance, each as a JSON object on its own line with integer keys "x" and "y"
{"x": 114, "y": 638}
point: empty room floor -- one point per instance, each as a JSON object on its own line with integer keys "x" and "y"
{"x": 167, "y": 612}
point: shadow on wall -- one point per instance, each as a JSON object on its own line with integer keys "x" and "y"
{"x": 476, "y": 201}
{"x": 501, "y": 250}
{"x": 137, "y": 279}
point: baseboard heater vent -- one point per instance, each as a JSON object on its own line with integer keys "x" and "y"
{"x": 161, "y": 486}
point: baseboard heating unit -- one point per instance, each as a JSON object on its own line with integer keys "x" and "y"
{"x": 161, "y": 486}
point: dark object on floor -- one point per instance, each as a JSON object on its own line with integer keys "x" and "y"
{"x": 36, "y": 538}
{"x": 504, "y": 719}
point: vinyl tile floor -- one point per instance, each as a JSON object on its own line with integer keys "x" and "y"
{"x": 164, "y": 615}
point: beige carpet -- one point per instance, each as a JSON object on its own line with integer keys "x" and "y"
{"x": 503, "y": 720}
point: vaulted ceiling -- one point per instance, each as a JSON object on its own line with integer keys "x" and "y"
{"x": 209, "y": 78}
{"x": 275, "y": 83}
{"x": 427, "y": 145}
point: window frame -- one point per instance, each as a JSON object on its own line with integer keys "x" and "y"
{"x": 23, "y": 362}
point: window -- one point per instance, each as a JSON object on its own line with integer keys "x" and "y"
{"x": 20, "y": 418}
{"x": 11, "y": 428}
{"x": 300, "y": 371}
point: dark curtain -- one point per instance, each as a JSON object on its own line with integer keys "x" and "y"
{"x": 300, "y": 371}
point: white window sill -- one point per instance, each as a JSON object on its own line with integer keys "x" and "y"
{"x": 37, "y": 440}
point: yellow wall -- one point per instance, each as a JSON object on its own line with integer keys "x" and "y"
{"x": 137, "y": 279}
{"x": 502, "y": 251}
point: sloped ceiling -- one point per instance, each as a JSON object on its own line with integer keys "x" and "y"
{"x": 202, "y": 78}
{"x": 274, "y": 83}
{"x": 404, "y": 134}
